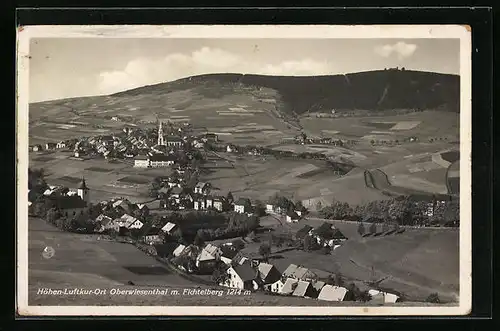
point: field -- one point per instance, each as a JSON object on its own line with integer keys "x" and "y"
{"x": 83, "y": 262}
{"x": 418, "y": 262}
{"x": 105, "y": 180}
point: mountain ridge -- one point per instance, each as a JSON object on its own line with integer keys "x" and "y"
{"x": 369, "y": 90}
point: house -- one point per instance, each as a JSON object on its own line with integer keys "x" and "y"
{"x": 179, "y": 250}
{"x": 122, "y": 206}
{"x": 170, "y": 228}
{"x": 209, "y": 202}
{"x": 298, "y": 272}
{"x": 163, "y": 191}
{"x": 268, "y": 273}
{"x": 202, "y": 188}
{"x": 301, "y": 211}
{"x": 327, "y": 235}
{"x": 292, "y": 217}
{"x": 107, "y": 140}
{"x": 79, "y": 153}
{"x": 332, "y": 293}
{"x": 243, "y": 205}
{"x": 304, "y": 289}
{"x": 229, "y": 253}
{"x": 275, "y": 287}
{"x": 211, "y": 137}
{"x": 161, "y": 160}
{"x": 242, "y": 277}
{"x": 241, "y": 260}
{"x": 141, "y": 161}
{"x": 208, "y": 257}
{"x": 129, "y": 222}
{"x": 67, "y": 205}
{"x": 174, "y": 141}
{"x": 61, "y": 144}
{"x": 153, "y": 236}
{"x": 230, "y": 149}
{"x": 318, "y": 286}
{"x": 103, "y": 219}
{"x": 200, "y": 204}
{"x": 269, "y": 208}
{"x": 175, "y": 194}
{"x": 304, "y": 231}
{"x": 219, "y": 203}
{"x": 50, "y": 146}
{"x": 37, "y": 148}
{"x": 289, "y": 286}
{"x": 384, "y": 296}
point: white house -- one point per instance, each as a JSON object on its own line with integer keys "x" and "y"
{"x": 275, "y": 287}
{"x": 386, "y": 297}
{"x": 141, "y": 161}
{"x": 269, "y": 208}
{"x": 61, "y": 144}
{"x": 200, "y": 204}
{"x": 332, "y": 293}
{"x": 153, "y": 237}
{"x": 160, "y": 160}
{"x": 174, "y": 141}
{"x": 219, "y": 202}
{"x": 202, "y": 188}
{"x": 37, "y": 148}
{"x": 179, "y": 250}
{"x": 292, "y": 217}
{"x": 169, "y": 228}
{"x": 241, "y": 277}
{"x": 243, "y": 205}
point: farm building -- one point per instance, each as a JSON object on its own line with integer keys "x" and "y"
{"x": 242, "y": 277}
{"x": 268, "y": 273}
{"x": 50, "y": 146}
{"x": 61, "y": 144}
{"x": 292, "y": 217}
{"x": 141, "y": 161}
{"x": 179, "y": 250}
{"x": 304, "y": 231}
{"x": 161, "y": 160}
{"x": 383, "y": 296}
{"x": 208, "y": 258}
{"x": 170, "y": 228}
{"x": 304, "y": 289}
{"x": 298, "y": 272}
{"x": 289, "y": 286}
{"x": 229, "y": 253}
{"x": 332, "y": 293}
{"x": 327, "y": 235}
{"x": 153, "y": 236}
{"x": 37, "y": 148}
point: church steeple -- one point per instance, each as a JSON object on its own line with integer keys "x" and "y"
{"x": 160, "y": 134}
{"x": 83, "y": 190}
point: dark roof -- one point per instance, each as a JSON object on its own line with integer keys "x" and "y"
{"x": 162, "y": 157}
{"x": 141, "y": 157}
{"x": 173, "y": 138}
{"x": 228, "y": 251}
{"x": 303, "y": 231}
{"x": 176, "y": 190}
{"x": 246, "y": 272}
{"x": 243, "y": 202}
{"x": 292, "y": 214}
{"x": 153, "y": 231}
{"x": 67, "y": 202}
{"x": 328, "y": 231}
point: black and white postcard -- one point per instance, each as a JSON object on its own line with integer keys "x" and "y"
{"x": 205, "y": 170}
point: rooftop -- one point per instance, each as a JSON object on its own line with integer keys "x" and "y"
{"x": 245, "y": 271}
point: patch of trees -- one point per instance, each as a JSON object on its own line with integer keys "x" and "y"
{"x": 401, "y": 210}
{"x": 237, "y": 225}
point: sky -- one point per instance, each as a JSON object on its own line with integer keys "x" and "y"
{"x": 74, "y": 67}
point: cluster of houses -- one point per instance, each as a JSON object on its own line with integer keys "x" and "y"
{"x": 243, "y": 273}
{"x": 132, "y": 143}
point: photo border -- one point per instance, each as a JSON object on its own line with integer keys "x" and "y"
{"x": 218, "y": 307}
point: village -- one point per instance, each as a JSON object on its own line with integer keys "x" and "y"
{"x": 203, "y": 233}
